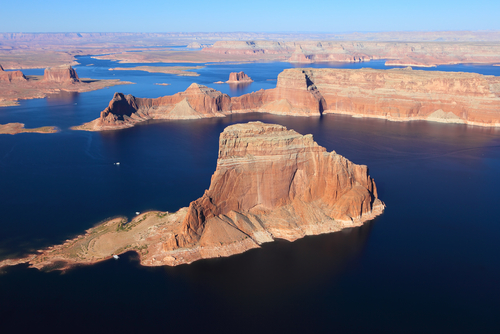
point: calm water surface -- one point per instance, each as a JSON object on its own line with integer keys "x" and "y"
{"x": 429, "y": 264}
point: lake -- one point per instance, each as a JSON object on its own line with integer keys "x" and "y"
{"x": 430, "y": 263}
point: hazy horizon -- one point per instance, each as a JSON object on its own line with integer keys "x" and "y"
{"x": 222, "y": 16}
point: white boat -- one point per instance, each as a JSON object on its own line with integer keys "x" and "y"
{"x": 116, "y": 257}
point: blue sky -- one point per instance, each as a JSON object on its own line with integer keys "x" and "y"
{"x": 252, "y": 15}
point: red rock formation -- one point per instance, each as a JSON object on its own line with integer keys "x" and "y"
{"x": 196, "y": 102}
{"x": 239, "y": 77}
{"x": 11, "y": 75}
{"x": 273, "y": 182}
{"x": 405, "y": 94}
{"x": 398, "y": 94}
{"x": 63, "y": 74}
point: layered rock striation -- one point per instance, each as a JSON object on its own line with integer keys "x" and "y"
{"x": 406, "y": 94}
{"x": 397, "y": 95}
{"x": 270, "y": 182}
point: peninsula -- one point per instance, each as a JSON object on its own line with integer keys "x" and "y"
{"x": 14, "y": 85}
{"x": 270, "y": 182}
{"x": 396, "y": 95}
{"x": 15, "y": 128}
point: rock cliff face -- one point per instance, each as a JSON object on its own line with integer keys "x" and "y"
{"x": 62, "y": 74}
{"x": 405, "y": 94}
{"x": 9, "y": 76}
{"x": 398, "y": 95}
{"x": 270, "y": 182}
{"x": 239, "y": 77}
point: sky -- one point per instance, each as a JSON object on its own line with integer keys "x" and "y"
{"x": 328, "y": 16}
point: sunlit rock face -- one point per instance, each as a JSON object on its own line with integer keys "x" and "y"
{"x": 63, "y": 74}
{"x": 397, "y": 94}
{"x": 272, "y": 182}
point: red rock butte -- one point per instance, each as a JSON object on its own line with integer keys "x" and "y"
{"x": 9, "y": 76}
{"x": 270, "y": 182}
{"x": 239, "y": 77}
{"x": 63, "y": 74}
{"x": 396, "y": 94}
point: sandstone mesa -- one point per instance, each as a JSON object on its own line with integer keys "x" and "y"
{"x": 396, "y": 95}
{"x": 270, "y": 182}
{"x": 238, "y": 77}
{"x": 14, "y": 85}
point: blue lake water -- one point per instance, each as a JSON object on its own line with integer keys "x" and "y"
{"x": 429, "y": 264}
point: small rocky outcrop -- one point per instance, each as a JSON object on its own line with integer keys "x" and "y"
{"x": 62, "y": 74}
{"x": 239, "y": 77}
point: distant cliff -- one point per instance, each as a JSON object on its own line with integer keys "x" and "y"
{"x": 397, "y": 53}
{"x": 270, "y": 182}
{"x": 397, "y": 94}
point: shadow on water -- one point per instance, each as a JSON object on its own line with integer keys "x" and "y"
{"x": 279, "y": 270}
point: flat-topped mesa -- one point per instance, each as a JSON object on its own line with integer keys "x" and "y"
{"x": 62, "y": 74}
{"x": 397, "y": 95}
{"x": 9, "y": 76}
{"x": 272, "y": 182}
{"x": 406, "y": 94}
{"x": 239, "y": 77}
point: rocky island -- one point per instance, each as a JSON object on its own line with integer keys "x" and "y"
{"x": 270, "y": 182}
{"x": 238, "y": 77}
{"x": 14, "y": 85}
{"x": 396, "y": 95}
{"x": 15, "y": 128}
